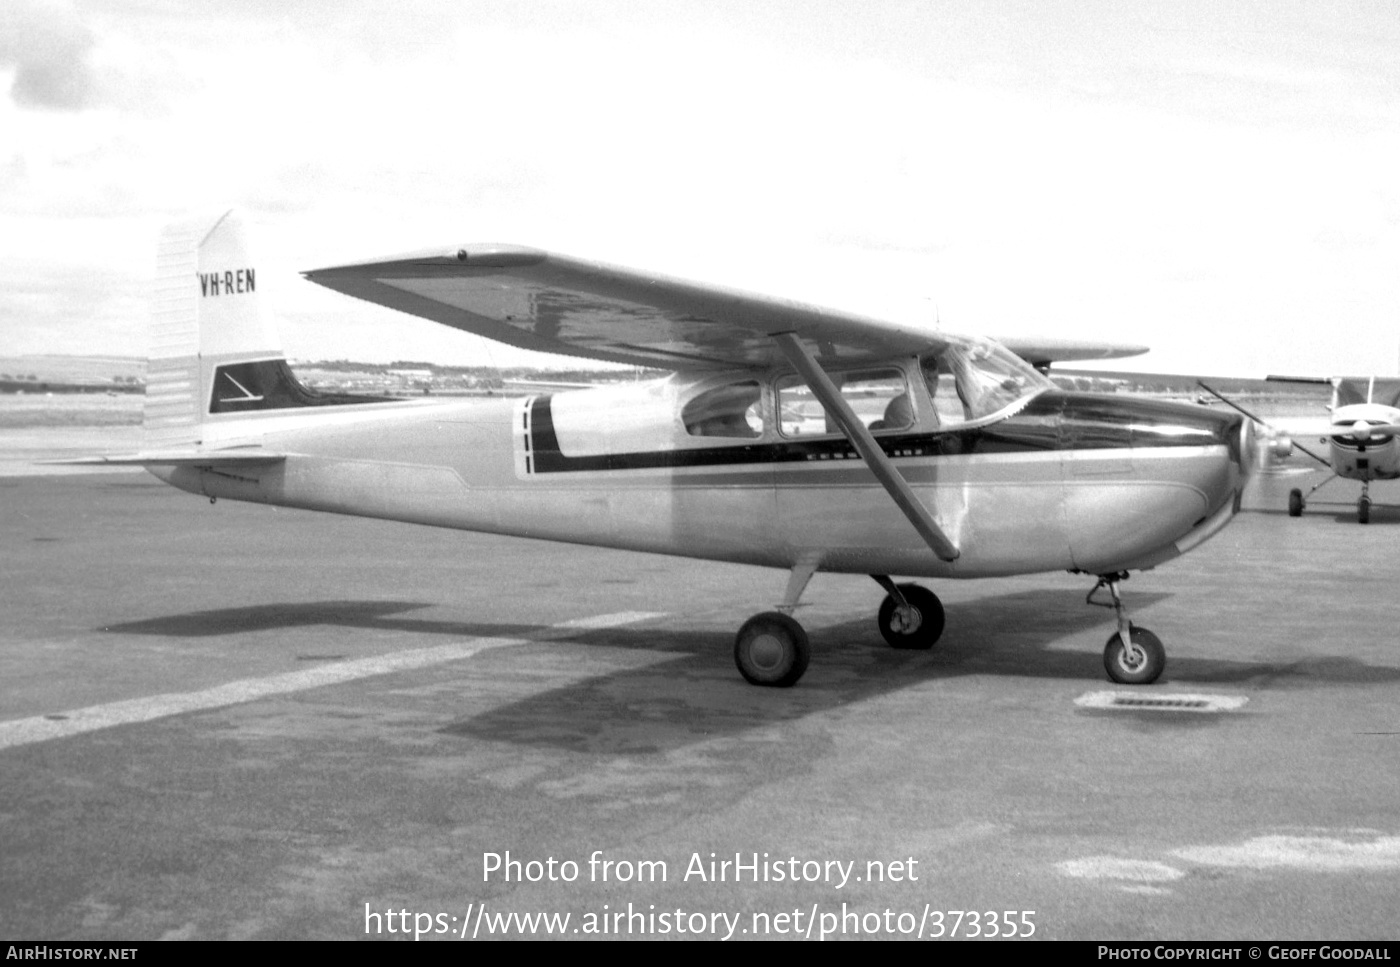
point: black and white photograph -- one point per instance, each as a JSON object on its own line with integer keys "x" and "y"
{"x": 556, "y": 470}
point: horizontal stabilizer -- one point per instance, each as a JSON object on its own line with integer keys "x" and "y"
{"x": 236, "y": 456}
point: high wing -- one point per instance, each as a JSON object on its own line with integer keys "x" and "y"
{"x": 552, "y": 303}
{"x": 537, "y": 300}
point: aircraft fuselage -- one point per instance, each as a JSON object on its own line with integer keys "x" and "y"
{"x": 1071, "y": 481}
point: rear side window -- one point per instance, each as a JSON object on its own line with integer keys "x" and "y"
{"x": 734, "y": 410}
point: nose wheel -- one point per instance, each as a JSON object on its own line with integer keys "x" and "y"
{"x": 1132, "y": 655}
{"x": 1139, "y": 661}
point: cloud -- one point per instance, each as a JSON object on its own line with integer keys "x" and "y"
{"x": 47, "y": 46}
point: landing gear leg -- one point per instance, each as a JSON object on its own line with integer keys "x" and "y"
{"x": 1133, "y": 655}
{"x": 771, "y": 648}
{"x": 1363, "y": 506}
{"x": 911, "y": 616}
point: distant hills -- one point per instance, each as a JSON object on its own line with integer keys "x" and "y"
{"x": 1179, "y": 384}
{"x": 127, "y": 374}
{"x": 72, "y": 374}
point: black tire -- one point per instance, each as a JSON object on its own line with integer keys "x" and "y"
{"x": 1295, "y": 503}
{"x": 771, "y": 649}
{"x": 1363, "y": 511}
{"x": 928, "y": 618}
{"x": 1143, "y": 669}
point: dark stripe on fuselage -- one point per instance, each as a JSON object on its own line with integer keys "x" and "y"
{"x": 1051, "y": 421}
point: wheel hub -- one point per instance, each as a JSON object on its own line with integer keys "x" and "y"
{"x": 1131, "y": 657}
{"x": 766, "y": 651}
{"x": 906, "y": 620}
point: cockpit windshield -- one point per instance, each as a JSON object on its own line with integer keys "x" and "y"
{"x": 977, "y": 379}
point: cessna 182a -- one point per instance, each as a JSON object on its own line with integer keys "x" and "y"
{"x": 1361, "y": 435}
{"x": 788, "y": 436}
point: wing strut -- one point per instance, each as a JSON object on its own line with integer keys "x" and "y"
{"x": 880, "y": 465}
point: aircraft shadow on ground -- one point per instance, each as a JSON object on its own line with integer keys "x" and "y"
{"x": 379, "y": 615}
{"x": 1020, "y": 635}
{"x": 695, "y": 692}
{"x": 1037, "y": 617}
{"x": 700, "y": 694}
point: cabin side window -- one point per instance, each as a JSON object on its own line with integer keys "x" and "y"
{"x": 880, "y": 398}
{"x": 977, "y": 380}
{"x": 734, "y": 410}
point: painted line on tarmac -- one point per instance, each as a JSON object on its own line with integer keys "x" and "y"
{"x": 41, "y": 728}
{"x": 1363, "y": 850}
{"x": 1117, "y": 868}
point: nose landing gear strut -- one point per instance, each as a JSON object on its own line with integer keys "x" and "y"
{"x": 1132, "y": 655}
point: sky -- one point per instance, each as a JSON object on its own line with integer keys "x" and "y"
{"x": 1217, "y": 180}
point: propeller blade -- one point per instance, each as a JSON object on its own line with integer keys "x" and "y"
{"x": 1231, "y": 403}
{"x": 1363, "y": 430}
{"x": 1235, "y": 406}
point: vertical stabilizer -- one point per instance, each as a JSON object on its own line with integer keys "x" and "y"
{"x": 205, "y": 310}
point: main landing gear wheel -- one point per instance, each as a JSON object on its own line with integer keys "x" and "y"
{"x": 771, "y": 649}
{"x": 917, "y": 625}
{"x": 1295, "y": 503}
{"x": 1141, "y": 664}
{"x": 1363, "y": 510}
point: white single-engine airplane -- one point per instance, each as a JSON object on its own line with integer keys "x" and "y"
{"x": 789, "y": 436}
{"x": 1360, "y": 434}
